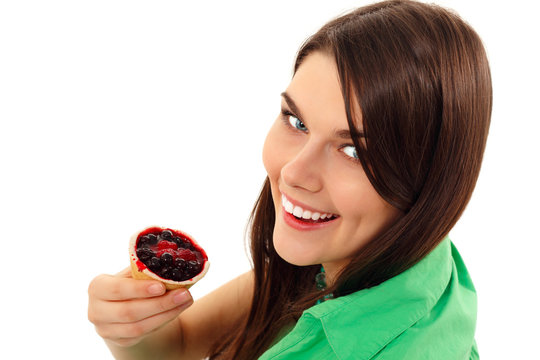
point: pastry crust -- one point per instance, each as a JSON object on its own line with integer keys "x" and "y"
{"x": 145, "y": 274}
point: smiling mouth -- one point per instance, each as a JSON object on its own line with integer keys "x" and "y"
{"x": 306, "y": 216}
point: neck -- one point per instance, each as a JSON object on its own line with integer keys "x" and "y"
{"x": 331, "y": 271}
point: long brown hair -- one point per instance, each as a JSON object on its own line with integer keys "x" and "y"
{"x": 421, "y": 79}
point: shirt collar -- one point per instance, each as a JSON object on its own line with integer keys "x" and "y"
{"x": 379, "y": 314}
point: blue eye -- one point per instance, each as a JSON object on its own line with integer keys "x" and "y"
{"x": 350, "y": 151}
{"x": 296, "y": 123}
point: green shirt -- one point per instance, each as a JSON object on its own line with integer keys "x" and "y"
{"x": 426, "y": 312}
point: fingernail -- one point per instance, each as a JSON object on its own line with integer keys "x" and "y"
{"x": 181, "y": 297}
{"x": 155, "y": 289}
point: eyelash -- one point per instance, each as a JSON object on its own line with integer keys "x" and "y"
{"x": 285, "y": 118}
{"x": 355, "y": 159}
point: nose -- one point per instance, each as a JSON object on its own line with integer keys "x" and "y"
{"x": 304, "y": 171}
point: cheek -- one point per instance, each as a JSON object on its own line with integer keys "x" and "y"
{"x": 361, "y": 204}
{"x": 273, "y": 153}
{"x": 354, "y": 195}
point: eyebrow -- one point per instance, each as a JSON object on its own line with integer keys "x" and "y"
{"x": 342, "y": 134}
{"x": 346, "y": 134}
{"x": 291, "y": 104}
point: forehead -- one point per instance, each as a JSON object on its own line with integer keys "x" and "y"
{"x": 316, "y": 90}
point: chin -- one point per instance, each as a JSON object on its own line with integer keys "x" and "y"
{"x": 293, "y": 253}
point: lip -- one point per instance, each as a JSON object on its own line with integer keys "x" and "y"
{"x": 297, "y": 224}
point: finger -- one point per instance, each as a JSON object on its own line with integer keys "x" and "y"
{"x": 125, "y": 273}
{"x": 125, "y": 332}
{"x": 108, "y": 287}
{"x": 139, "y": 309}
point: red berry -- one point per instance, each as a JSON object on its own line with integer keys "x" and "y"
{"x": 167, "y": 245}
{"x": 160, "y": 253}
{"x": 186, "y": 254}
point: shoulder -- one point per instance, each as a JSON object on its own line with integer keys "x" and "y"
{"x": 406, "y": 317}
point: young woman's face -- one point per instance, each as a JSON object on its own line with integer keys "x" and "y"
{"x": 326, "y": 209}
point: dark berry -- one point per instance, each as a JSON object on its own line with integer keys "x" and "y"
{"x": 145, "y": 253}
{"x": 176, "y": 274}
{"x": 166, "y": 259}
{"x": 164, "y": 273}
{"x": 143, "y": 241}
{"x": 166, "y": 234}
{"x": 147, "y": 240}
{"x": 180, "y": 263}
{"x": 178, "y": 241}
{"x": 194, "y": 267}
{"x": 154, "y": 264}
{"x": 152, "y": 239}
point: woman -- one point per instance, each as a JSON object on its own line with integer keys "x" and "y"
{"x": 370, "y": 164}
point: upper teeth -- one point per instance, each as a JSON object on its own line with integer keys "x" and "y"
{"x": 301, "y": 213}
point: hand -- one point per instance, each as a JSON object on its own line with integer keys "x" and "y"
{"x": 125, "y": 310}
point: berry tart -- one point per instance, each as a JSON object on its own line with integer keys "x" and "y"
{"x": 167, "y": 255}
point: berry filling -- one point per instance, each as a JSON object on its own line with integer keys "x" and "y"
{"x": 169, "y": 254}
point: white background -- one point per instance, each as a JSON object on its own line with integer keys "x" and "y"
{"x": 115, "y": 115}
